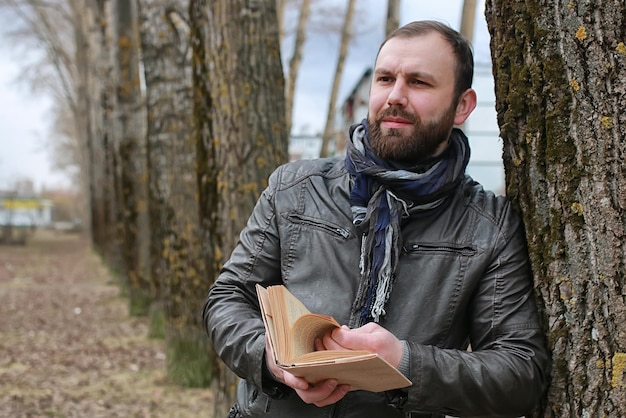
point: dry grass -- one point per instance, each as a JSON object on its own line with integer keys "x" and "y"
{"x": 68, "y": 347}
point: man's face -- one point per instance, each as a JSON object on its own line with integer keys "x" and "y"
{"x": 412, "y": 107}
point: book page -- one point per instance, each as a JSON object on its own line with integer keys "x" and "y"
{"x": 304, "y": 332}
{"x": 268, "y": 320}
{"x": 329, "y": 356}
{"x": 286, "y": 310}
{"x": 286, "y": 304}
{"x": 300, "y": 327}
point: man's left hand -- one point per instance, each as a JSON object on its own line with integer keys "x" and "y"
{"x": 371, "y": 337}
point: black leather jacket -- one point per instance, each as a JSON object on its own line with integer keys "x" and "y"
{"x": 463, "y": 278}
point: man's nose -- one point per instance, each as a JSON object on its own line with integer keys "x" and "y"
{"x": 397, "y": 95}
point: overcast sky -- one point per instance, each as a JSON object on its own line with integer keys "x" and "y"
{"x": 25, "y": 119}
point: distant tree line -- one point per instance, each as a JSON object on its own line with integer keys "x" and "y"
{"x": 175, "y": 112}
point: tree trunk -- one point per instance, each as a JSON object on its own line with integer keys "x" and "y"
{"x": 559, "y": 71}
{"x": 177, "y": 265}
{"x": 133, "y": 161}
{"x": 92, "y": 114}
{"x": 247, "y": 92}
{"x": 468, "y": 17}
{"x": 296, "y": 59}
{"x": 392, "y": 20}
{"x": 72, "y": 36}
{"x": 346, "y": 34}
{"x": 207, "y": 169}
{"x": 281, "y": 5}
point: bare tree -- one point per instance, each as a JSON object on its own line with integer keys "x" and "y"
{"x": 281, "y": 5}
{"x": 346, "y": 34}
{"x": 392, "y": 21}
{"x": 130, "y": 134}
{"x": 296, "y": 59}
{"x": 559, "y": 72}
{"x": 178, "y": 270}
{"x": 248, "y": 122}
{"x": 468, "y": 17}
{"x": 71, "y": 35}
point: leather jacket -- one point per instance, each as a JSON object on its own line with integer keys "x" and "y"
{"x": 463, "y": 278}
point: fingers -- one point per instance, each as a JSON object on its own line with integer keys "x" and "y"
{"x": 295, "y": 382}
{"x": 323, "y": 393}
{"x": 319, "y": 345}
{"x": 329, "y": 342}
{"x": 276, "y": 371}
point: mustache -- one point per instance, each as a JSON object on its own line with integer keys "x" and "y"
{"x": 397, "y": 112}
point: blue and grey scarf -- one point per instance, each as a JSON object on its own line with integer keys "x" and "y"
{"x": 381, "y": 196}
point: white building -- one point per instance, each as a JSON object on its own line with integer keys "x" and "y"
{"x": 25, "y": 211}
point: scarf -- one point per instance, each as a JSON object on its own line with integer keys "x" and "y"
{"x": 382, "y": 195}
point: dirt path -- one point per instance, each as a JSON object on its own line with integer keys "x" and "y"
{"x": 68, "y": 347}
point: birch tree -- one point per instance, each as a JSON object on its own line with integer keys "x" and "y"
{"x": 559, "y": 71}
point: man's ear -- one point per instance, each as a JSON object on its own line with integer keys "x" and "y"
{"x": 466, "y": 105}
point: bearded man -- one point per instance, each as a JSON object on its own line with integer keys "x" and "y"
{"x": 396, "y": 242}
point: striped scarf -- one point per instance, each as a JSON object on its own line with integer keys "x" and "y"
{"x": 382, "y": 195}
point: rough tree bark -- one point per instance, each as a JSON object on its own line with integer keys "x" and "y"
{"x": 206, "y": 146}
{"x": 130, "y": 135}
{"x": 176, "y": 254}
{"x": 92, "y": 114}
{"x": 247, "y": 92}
{"x": 559, "y": 70}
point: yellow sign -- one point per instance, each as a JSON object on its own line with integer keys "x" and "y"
{"x": 14, "y": 204}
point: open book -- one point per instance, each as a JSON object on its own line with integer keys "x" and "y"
{"x": 292, "y": 330}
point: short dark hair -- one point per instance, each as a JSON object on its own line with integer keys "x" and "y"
{"x": 461, "y": 48}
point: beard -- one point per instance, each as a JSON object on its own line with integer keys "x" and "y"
{"x": 414, "y": 147}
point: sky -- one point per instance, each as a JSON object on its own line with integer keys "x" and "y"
{"x": 25, "y": 117}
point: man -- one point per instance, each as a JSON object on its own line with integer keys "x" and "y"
{"x": 395, "y": 242}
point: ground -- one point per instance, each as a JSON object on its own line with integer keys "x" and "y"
{"x": 68, "y": 347}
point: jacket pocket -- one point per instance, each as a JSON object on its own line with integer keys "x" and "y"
{"x": 251, "y": 402}
{"x": 320, "y": 224}
{"x": 415, "y": 248}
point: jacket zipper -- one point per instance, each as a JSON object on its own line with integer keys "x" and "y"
{"x": 466, "y": 251}
{"x": 333, "y": 229}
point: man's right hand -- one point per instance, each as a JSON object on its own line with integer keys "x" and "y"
{"x": 321, "y": 394}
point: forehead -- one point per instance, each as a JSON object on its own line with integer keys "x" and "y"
{"x": 429, "y": 53}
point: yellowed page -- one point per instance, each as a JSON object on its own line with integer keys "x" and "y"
{"x": 287, "y": 305}
{"x": 268, "y": 321}
{"x": 305, "y": 330}
{"x": 286, "y": 310}
{"x": 328, "y": 356}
